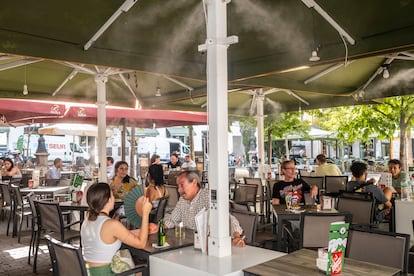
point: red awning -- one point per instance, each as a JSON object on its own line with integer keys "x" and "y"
{"x": 28, "y": 112}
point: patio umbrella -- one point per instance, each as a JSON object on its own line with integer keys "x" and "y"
{"x": 129, "y": 205}
{"x": 72, "y": 129}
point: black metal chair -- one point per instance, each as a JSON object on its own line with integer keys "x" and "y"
{"x": 67, "y": 260}
{"x": 51, "y": 223}
{"x": 313, "y": 231}
{"x": 260, "y": 197}
{"x": 21, "y": 210}
{"x": 314, "y": 228}
{"x": 379, "y": 247}
{"x": 159, "y": 210}
{"x": 173, "y": 197}
{"x": 335, "y": 184}
{"x": 246, "y": 194}
{"x": 172, "y": 178}
{"x": 35, "y": 226}
{"x": 314, "y": 180}
{"x": 7, "y": 204}
{"x": 248, "y": 221}
{"x": 362, "y": 209}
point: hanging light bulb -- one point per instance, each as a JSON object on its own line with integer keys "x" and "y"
{"x": 25, "y": 90}
{"x": 314, "y": 56}
{"x": 385, "y": 72}
{"x": 158, "y": 92}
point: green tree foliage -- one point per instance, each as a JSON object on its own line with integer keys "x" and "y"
{"x": 363, "y": 121}
{"x": 276, "y": 126}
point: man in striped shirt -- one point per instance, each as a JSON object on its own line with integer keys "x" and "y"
{"x": 193, "y": 199}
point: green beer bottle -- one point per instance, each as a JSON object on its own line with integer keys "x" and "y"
{"x": 161, "y": 233}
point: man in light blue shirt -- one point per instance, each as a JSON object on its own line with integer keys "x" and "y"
{"x": 54, "y": 171}
{"x": 109, "y": 167}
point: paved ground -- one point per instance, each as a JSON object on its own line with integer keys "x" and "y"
{"x": 13, "y": 255}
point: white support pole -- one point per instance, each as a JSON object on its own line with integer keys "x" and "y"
{"x": 260, "y": 131}
{"x": 101, "y": 80}
{"x": 219, "y": 241}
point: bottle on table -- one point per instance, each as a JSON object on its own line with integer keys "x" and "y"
{"x": 161, "y": 233}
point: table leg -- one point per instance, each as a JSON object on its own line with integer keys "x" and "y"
{"x": 279, "y": 235}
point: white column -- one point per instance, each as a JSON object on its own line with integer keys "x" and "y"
{"x": 260, "y": 130}
{"x": 101, "y": 80}
{"x": 219, "y": 242}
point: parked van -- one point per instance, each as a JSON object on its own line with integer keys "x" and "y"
{"x": 64, "y": 147}
{"x": 163, "y": 147}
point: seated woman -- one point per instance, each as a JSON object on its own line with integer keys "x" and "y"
{"x": 122, "y": 183}
{"x": 102, "y": 236}
{"x": 360, "y": 184}
{"x": 156, "y": 189}
{"x": 9, "y": 170}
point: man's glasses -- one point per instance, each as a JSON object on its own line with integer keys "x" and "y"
{"x": 289, "y": 168}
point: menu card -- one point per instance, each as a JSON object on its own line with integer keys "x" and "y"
{"x": 338, "y": 236}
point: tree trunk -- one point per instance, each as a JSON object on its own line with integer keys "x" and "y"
{"x": 409, "y": 147}
{"x": 287, "y": 148}
{"x": 403, "y": 142}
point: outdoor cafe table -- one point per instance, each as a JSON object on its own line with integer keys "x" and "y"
{"x": 303, "y": 262}
{"x": 46, "y": 190}
{"x": 283, "y": 214}
{"x": 173, "y": 241}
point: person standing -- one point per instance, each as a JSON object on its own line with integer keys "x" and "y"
{"x": 325, "y": 168}
{"x": 54, "y": 171}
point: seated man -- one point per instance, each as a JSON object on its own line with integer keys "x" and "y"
{"x": 399, "y": 179}
{"x": 54, "y": 171}
{"x": 194, "y": 198}
{"x": 360, "y": 184}
{"x": 291, "y": 184}
{"x": 188, "y": 163}
{"x": 174, "y": 162}
{"x": 325, "y": 168}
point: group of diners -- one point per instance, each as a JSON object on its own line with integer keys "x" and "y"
{"x": 98, "y": 250}
{"x": 358, "y": 183}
